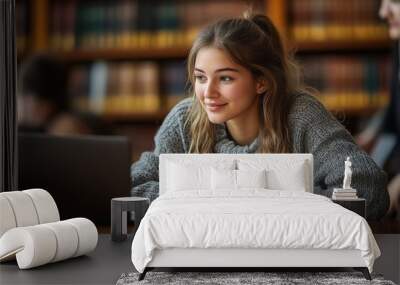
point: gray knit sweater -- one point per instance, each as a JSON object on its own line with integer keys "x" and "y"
{"x": 313, "y": 130}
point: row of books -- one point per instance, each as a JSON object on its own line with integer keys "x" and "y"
{"x": 146, "y": 87}
{"x": 135, "y": 24}
{"x": 320, "y": 20}
{"x": 360, "y": 103}
{"x": 349, "y": 82}
{"x": 126, "y": 87}
{"x": 344, "y": 194}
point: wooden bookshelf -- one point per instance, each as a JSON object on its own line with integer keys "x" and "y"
{"x": 136, "y": 117}
{"x": 181, "y": 52}
{"x": 120, "y": 54}
{"x": 278, "y": 11}
{"x": 342, "y": 45}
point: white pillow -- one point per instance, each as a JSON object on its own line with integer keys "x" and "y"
{"x": 182, "y": 177}
{"x": 223, "y": 179}
{"x": 293, "y": 181}
{"x": 251, "y": 178}
{"x": 235, "y": 179}
{"x": 185, "y": 175}
{"x": 281, "y": 174}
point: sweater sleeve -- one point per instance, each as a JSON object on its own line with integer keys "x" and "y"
{"x": 170, "y": 138}
{"x": 330, "y": 143}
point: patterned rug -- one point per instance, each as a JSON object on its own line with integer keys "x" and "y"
{"x": 229, "y": 278}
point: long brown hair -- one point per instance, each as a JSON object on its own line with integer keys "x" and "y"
{"x": 253, "y": 42}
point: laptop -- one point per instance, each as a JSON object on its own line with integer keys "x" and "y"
{"x": 383, "y": 148}
{"x": 82, "y": 173}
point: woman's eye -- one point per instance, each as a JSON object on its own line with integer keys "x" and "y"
{"x": 200, "y": 78}
{"x": 226, "y": 79}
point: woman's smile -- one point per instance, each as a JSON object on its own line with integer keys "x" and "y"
{"x": 215, "y": 107}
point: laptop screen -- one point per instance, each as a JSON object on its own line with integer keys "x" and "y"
{"x": 82, "y": 173}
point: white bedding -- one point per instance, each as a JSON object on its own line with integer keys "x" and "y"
{"x": 251, "y": 218}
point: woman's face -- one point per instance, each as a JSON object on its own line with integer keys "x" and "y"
{"x": 225, "y": 89}
{"x": 390, "y": 11}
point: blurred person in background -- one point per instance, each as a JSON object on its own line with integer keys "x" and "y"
{"x": 381, "y": 137}
{"x": 43, "y": 104}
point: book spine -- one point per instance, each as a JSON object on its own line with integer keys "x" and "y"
{"x": 97, "y": 89}
{"x": 336, "y": 20}
{"x": 347, "y": 83}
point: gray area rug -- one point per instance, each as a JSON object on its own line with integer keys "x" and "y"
{"x": 228, "y": 278}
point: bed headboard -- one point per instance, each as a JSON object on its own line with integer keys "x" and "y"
{"x": 283, "y": 161}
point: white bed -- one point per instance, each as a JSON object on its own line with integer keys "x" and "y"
{"x": 201, "y": 219}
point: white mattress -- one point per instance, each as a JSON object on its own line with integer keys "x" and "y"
{"x": 253, "y": 218}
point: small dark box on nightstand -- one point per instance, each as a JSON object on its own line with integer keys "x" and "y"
{"x": 355, "y": 205}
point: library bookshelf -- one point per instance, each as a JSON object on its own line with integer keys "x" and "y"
{"x": 342, "y": 45}
{"x": 153, "y": 53}
{"x": 127, "y": 42}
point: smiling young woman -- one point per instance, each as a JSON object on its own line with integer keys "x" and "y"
{"x": 256, "y": 80}
{"x": 247, "y": 97}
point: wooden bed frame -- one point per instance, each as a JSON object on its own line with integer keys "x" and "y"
{"x": 242, "y": 259}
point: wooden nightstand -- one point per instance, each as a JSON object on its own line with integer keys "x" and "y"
{"x": 355, "y": 205}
